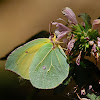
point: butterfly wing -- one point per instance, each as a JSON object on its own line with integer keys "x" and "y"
{"x": 49, "y": 67}
{"x": 20, "y": 59}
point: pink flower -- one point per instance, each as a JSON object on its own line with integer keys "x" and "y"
{"x": 90, "y": 87}
{"x": 91, "y": 43}
{"x": 70, "y": 44}
{"x": 61, "y": 35}
{"x": 98, "y": 41}
{"x": 87, "y": 38}
{"x": 65, "y": 42}
{"x": 96, "y": 23}
{"x": 94, "y": 48}
{"x": 61, "y": 28}
{"x": 83, "y": 92}
{"x": 70, "y": 15}
{"x": 78, "y": 59}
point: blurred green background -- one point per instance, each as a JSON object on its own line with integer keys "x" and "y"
{"x": 22, "y": 19}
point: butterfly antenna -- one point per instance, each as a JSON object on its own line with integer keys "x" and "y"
{"x": 50, "y": 30}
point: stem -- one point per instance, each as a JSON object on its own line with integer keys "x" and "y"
{"x": 78, "y": 96}
{"x": 50, "y": 28}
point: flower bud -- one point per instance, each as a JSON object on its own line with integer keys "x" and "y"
{"x": 70, "y": 15}
{"x": 98, "y": 41}
{"x": 87, "y": 38}
{"x": 91, "y": 43}
{"x": 83, "y": 92}
{"x": 96, "y": 24}
{"x": 90, "y": 87}
{"x": 61, "y": 29}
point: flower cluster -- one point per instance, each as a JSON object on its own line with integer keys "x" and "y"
{"x": 81, "y": 39}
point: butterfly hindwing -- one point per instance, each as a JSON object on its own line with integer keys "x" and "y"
{"x": 49, "y": 67}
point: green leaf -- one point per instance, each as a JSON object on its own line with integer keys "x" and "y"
{"x": 77, "y": 28}
{"x": 68, "y": 80}
{"x": 92, "y": 96}
{"x": 98, "y": 98}
{"x": 49, "y": 67}
{"x": 20, "y": 59}
{"x": 93, "y": 34}
{"x": 87, "y": 19}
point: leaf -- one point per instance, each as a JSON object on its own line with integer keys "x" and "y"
{"x": 87, "y": 19}
{"x": 49, "y": 67}
{"x": 91, "y": 96}
{"x": 20, "y": 59}
{"x": 68, "y": 81}
{"x": 98, "y": 98}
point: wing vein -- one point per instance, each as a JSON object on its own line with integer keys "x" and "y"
{"x": 43, "y": 58}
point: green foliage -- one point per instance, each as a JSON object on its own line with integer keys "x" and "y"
{"x": 68, "y": 81}
{"x": 93, "y": 96}
{"x": 92, "y": 34}
{"x": 87, "y": 20}
{"x": 83, "y": 36}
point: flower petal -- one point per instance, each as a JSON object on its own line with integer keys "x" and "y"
{"x": 91, "y": 43}
{"x": 70, "y": 15}
{"x": 78, "y": 59}
{"x": 90, "y": 87}
{"x": 71, "y": 44}
{"x": 96, "y": 23}
{"x": 83, "y": 92}
{"x": 62, "y": 20}
{"x": 94, "y": 48}
{"x": 62, "y": 29}
{"x": 98, "y": 41}
{"x": 61, "y": 35}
